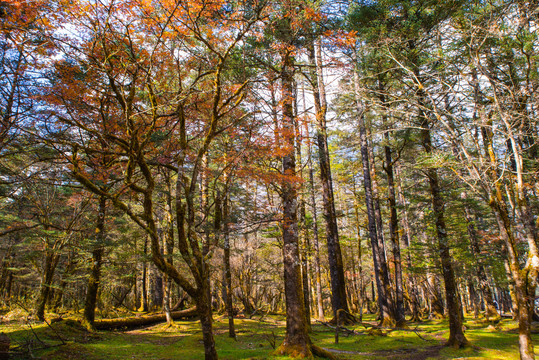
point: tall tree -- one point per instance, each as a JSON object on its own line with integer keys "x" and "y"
{"x": 336, "y": 268}
{"x": 380, "y": 266}
{"x": 394, "y": 235}
{"x": 297, "y": 341}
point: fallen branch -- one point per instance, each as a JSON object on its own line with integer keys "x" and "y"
{"x": 415, "y": 331}
{"x": 132, "y": 322}
{"x": 341, "y": 328}
{"x": 349, "y": 332}
{"x": 56, "y": 332}
{"x": 421, "y": 337}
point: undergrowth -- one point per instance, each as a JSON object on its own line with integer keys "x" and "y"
{"x": 256, "y": 339}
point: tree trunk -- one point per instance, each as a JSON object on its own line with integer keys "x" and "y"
{"x": 168, "y": 248}
{"x": 380, "y": 268}
{"x": 523, "y": 299}
{"x": 456, "y": 335}
{"x": 144, "y": 281}
{"x": 490, "y": 308}
{"x": 394, "y": 236}
{"x": 203, "y": 304}
{"x": 228, "y": 273}
{"x": 474, "y": 299}
{"x": 296, "y": 342}
{"x": 303, "y": 236}
{"x": 5, "y": 274}
{"x": 95, "y": 272}
{"x": 207, "y": 229}
{"x": 524, "y": 290}
{"x": 8, "y": 287}
{"x": 68, "y": 271}
{"x": 156, "y": 289}
{"x": 406, "y": 237}
{"x": 360, "y": 290}
{"x": 435, "y": 298}
{"x": 51, "y": 261}
{"x": 338, "y": 285}
{"x": 318, "y": 276}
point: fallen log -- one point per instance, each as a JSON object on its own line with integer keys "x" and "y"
{"x": 137, "y": 321}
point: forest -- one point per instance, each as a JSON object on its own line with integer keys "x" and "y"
{"x": 292, "y": 169}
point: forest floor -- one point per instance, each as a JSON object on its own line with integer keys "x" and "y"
{"x": 256, "y": 339}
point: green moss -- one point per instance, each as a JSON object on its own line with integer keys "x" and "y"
{"x": 255, "y": 340}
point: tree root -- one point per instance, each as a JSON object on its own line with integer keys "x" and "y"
{"x": 457, "y": 343}
{"x": 318, "y": 351}
{"x": 403, "y": 324}
{"x": 294, "y": 351}
{"x": 304, "y": 352}
{"x": 345, "y": 318}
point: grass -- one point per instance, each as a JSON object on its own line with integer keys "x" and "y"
{"x": 255, "y": 340}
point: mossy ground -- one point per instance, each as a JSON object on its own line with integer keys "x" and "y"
{"x": 256, "y": 339}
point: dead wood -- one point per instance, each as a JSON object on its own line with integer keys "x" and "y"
{"x": 341, "y": 328}
{"x": 132, "y": 322}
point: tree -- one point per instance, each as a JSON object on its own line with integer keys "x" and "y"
{"x": 380, "y": 266}
{"x": 338, "y": 286}
{"x": 297, "y": 342}
{"x": 116, "y": 62}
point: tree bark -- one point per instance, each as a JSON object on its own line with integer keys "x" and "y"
{"x": 474, "y": 299}
{"x": 49, "y": 267}
{"x": 144, "y": 281}
{"x": 338, "y": 285}
{"x": 406, "y": 237}
{"x": 97, "y": 261}
{"x": 318, "y": 276}
{"x": 139, "y": 321}
{"x": 490, "y": 308}
{"x": 522, "y": 287}
{"x": 456, "y": 335}
{"x": 394, "y": 236}
{"x": 168, "y": 248}
{"x": 303, "y": 236}
{"x": 380, "y": 268}
{"x": 361, "y": 287}
{"x": 228, "y": 273}
{"x": 296, "y": 342}
{"x": 434, "y": 295}
{"x": 203, "y": 305}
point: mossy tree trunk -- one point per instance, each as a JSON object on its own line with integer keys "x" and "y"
{"x": 49, "y": 267}
{"x": 203, "y": 304}
{"x": 97, "y": 262}
{"x": 168, "y": 247}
